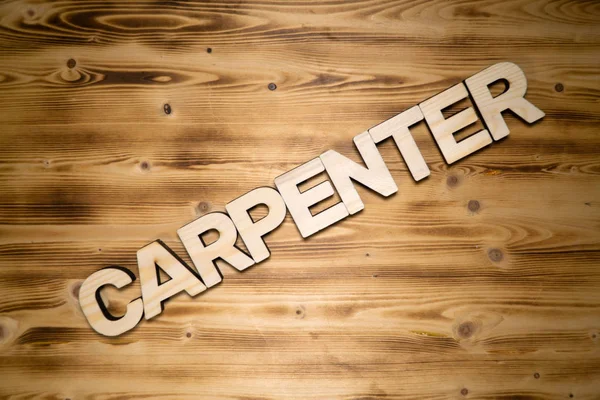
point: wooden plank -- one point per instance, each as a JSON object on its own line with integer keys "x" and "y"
{"x": 481, "y": 281}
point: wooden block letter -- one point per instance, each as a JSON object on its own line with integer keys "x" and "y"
{"x": 158, "y": 255}
{"x": 250, "y": 231}
{"x": 513, "y": 98}
{"x": 397, "y": 127}
{"x": 94, "y": 309}
{"x": 299, "y": 203}
{"x": 443, "y": 129}
{"x": 203, "y": 256}
{"x": 375, "y": 176}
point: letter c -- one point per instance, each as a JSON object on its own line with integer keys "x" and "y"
{"x": 94, "y": 309}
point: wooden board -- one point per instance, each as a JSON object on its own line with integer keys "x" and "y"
{"x": 122, "y": 122}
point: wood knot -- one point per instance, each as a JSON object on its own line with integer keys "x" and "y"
{"x": 209, "y": 50}
{"x": 71, "y": 63}
{"x": 473, "y": 205}
{"x": 272, "y": 86}
{"x": 452, "y": 181}
{"x": 203, "y": 207}
{"x": 300, "y": 312}
{"x": 8, "y": 329}
{"x": 466, "y": 329}
{"x": 145, "y": 165}
{"x": 167, "y": 108}
{"x": 464, "y": 391}
{"x": 495, "y": 255}
{"x": 188, "y": 335}
{"x": 73, "y": 76}
{"x": 536, "y": 375}
{"x": 75, "y": 289}
{"x": 559, "y": 87}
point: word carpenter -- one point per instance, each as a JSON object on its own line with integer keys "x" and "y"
{"x": 287, "y": 197}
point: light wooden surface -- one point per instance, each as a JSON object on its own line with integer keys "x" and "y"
{"x": 253, "y": 230}
{"x": 94, "y": 308}
{"x": 481, "y": 281}
{"x": 398, "y": 127}
{"x": 299, "y": 202}
{"x": 370, "y": 171}
{"x": 444, "y": 128}
{"x": 203, "y": 255}
{"x": 154, "y": 258}
{"x": 490, "y": 108}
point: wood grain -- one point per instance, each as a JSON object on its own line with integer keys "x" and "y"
{"x": 481, "y": 281}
